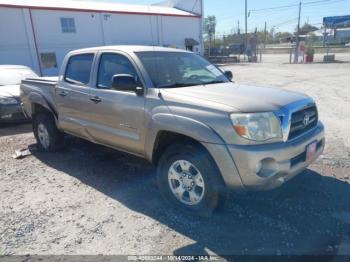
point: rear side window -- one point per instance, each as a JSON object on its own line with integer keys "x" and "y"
{"x": 79, "y": 69}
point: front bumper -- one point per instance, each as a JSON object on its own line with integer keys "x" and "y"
{"x": 11, "y": 113}
{"x": 288, "y": 158}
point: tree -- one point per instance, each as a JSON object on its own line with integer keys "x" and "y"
{"x": 307, "y": 28}
{"x": 210, "y": 28}
{"x": 313, "y": 39}
{"x": 283, "y": 36}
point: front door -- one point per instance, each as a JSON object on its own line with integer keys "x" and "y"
{"x": 118, "y": 116}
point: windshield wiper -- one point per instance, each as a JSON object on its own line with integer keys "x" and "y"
{"x": 175, "y": 85}
{"x": 214, "y": 82}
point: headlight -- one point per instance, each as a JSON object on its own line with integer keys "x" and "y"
{"x": 8, "y": 101}
{"x": 257, "y": 126}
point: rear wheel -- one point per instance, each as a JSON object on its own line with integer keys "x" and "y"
{"x": 189, "y": 179}
{"x": 48, "y": 137}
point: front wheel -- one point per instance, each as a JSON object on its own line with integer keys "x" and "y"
{"x": 188, "y": 178}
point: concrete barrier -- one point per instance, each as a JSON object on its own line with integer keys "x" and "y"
{"x": 318, "y": 50}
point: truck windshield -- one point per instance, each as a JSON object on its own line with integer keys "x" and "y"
{"x": 180, "y": 69}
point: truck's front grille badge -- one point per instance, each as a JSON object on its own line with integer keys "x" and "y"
{"x": 303, "y": 121}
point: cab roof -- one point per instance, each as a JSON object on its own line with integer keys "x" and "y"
{"x": 129, "y": 49}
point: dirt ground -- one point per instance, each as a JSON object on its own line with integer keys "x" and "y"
{"x": 88, "y": 199}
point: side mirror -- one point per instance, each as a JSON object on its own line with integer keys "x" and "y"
{"x": 229, "y": 75}
{"x": 126, "y": 82}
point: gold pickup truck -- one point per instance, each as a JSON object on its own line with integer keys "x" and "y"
{"x": 203, "y": 132}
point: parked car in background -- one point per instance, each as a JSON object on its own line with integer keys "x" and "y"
{"x": 236, "y": 49}
{"x": 10, "y": 80}
{"x": 347, "y": 45}
{"x": 172, "y": 107}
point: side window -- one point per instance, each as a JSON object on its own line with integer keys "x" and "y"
{"x": 78, "y": 69}
{"x": 110, "y": 65}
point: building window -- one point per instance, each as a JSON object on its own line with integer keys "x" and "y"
{"x": 68, "y": 25}
{"x": 48, "y": 60}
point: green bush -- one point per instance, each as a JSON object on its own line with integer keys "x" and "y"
{"x": 310, "y": 50}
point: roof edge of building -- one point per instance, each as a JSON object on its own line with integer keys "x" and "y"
{"x": 74, "y": 9}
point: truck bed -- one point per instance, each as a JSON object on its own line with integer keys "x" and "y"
{"x": 47, "y": 80}
{"x": 43, "y": 87}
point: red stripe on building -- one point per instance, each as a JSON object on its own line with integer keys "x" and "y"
{"x": 93, "y": 10}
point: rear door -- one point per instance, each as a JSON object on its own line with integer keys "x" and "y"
{"x": 118, "y": 116}
{"x": 73, "y": 95}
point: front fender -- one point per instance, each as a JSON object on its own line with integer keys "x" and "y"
{"x": 181, "y": 125}
{"x": 201, "y": 133}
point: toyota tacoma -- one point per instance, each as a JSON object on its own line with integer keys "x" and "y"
{"x": 203, "y": 132}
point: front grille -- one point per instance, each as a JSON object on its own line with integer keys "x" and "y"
{"x": 299, "y": 123}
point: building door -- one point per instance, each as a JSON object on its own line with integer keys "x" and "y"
{"x": 190, "y": 43}
{"x": 48, "y": 63}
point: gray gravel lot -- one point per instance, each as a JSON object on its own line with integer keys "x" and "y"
{"x": 88, "y": 199}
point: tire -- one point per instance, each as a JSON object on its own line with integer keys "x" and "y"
{"x": 208, "y": 191}
{"x": 48, "y": 137}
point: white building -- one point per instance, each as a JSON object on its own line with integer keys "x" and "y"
{"x": 333, "y": 36}
{"x": 38, "y": 33}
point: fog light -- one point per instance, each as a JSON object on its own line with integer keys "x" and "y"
{"x": 269, "y": 167}
{"x": 258, "y": 167}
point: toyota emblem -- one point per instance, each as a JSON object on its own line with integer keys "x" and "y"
{"x": 306, "y": 119}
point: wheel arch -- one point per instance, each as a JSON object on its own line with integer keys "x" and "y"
{"x": 166, "y": 138}
{"x": 166, "y": 129}
{"x": 40, "y": 104}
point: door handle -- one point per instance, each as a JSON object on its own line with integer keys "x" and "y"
{"x": 96, "y": 99}
{"x": 63, "y": 93}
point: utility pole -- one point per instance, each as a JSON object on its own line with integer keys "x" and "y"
{"x": 324, "y": 34}
{"x": 265, "y": 35}
{"x": 296, "y": 54}
{"x": 246, "y": 26}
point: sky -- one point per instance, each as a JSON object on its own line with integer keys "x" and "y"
{"x": 280, "y": 14}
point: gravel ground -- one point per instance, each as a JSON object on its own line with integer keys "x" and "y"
{"x": 88, "y": 199}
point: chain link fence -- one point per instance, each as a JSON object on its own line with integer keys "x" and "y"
{"x": 234, "y": 50}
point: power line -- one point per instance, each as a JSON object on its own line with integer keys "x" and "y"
{"x": 331, "y": 12}
{"x": 272, "y": 8}
{"x": 309, "y": 10}
{"x": 323, "y": 2}
{"x": 279, "y": 9}
{"x": 286, "y": 22}
{"x": 288, "y": 7}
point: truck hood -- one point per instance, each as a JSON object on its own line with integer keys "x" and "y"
{"x": 9, "y": 91}
{"x": 242, "y": 98}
